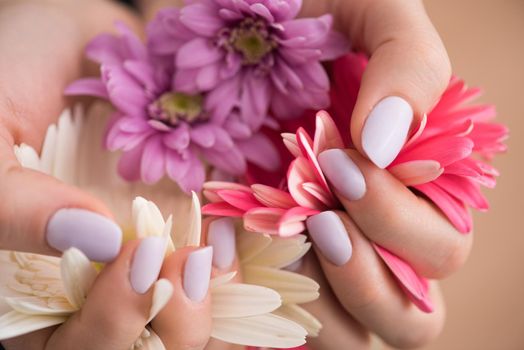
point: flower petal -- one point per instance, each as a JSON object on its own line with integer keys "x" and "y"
{"x": 235, "y": 300}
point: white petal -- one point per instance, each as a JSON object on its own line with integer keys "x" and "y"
{"x": 302, "y": 317}
{"x": 163, "y": 290}
{"x": 263, "y": 331}
{"x": 14, "y": 323}
{"x": 292, "y": 287}
{"x": 170, "y": 247}
{"x": 222, "y": 279}
{"x": 37, "y": 306}
{"x": 27, "y": 157}
{"x": 250, "y": 244}
{"x": 195, "y": 219}
{"x": 78, "y": 274}
{"x": 281, "y": 252}
{"x": 235, "y": 300}
{"x": 152, "y": 342}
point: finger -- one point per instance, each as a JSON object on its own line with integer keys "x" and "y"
{"x": 368, "y": 291}
{"x": 339, "y": 329}
{"x": 119, "y": 304}
{"x": 391, "y": 215}
{"x": 185, "y": 322}
{"x": 407, "y": 72}
{"x": 43, "y": 215}
{"x": 32, "y": 341}
{"x": 34, "y": 214}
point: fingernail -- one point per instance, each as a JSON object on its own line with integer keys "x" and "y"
{"x": 221, "y": 236}
{"x": 197, "y": 273}
{"x": 98, "y": 237}
{"x": 343, "y": 173}
{"x": 386, "y": 129}
{"x": 330, "y": 236}
{"x": 147, "y": 263}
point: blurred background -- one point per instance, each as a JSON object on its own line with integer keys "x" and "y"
{"x": 485, "y": 300}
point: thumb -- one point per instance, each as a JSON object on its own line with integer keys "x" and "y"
{"x": 42, "y": 215}
{"x": 406, "y": 74}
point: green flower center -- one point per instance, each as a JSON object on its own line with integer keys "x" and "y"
{"x": 252, "y": 39}
{"x": 173, "y": 107}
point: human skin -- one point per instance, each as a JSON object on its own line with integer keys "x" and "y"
{"x": 407, "y": 59}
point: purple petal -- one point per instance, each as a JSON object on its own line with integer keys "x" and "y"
{"x": 262, "y": 11}
{"x": 237, "y": 128}
{"x": 106, "y": 49}
{"x": 259, "y": 150}
{"x": 88, "y": 86}
{"x": 185, "y": 80}
{"x": 335, "y": 46}
{"x": 142, "y": 72}
{"x": 129, "y": 163}
{"x": 314, "y": 30}
{"x": 178, "y": 139}
{"x": 124, "y": 91}
{"x": 222, "y": 99}
{"x": 177, "y": 166}
{"x": 195, "y": 176}
{"x": 204, "y": 135}
{"x": 207, "y": 77}
{"x": 255, "y": 100}
{"x": 197, "y": 53}
{"x": 136, "y": 49}
{"x": 152, "y": 166}
{"x": 231, "y": 161}
{"x": 202, "y": 18}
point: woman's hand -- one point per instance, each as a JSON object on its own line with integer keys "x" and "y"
{"x": 407, "y": 72}
{"x": 119, "y": 304}
{"x": 42, "y": 45}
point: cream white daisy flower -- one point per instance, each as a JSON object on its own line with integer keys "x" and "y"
{"x": 242, "y": 313}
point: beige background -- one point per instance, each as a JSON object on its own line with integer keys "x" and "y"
{"x": 485, "y": 300}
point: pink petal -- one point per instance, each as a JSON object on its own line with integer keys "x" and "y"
{"x": 222, "y": 209}
{"x": 178, "y": 139}
{"x": 305, "y": 143}
{"x": 273, "y": 197}
{"x": 263, "y": 220}
{"x": 445, "y": 150}
{"x": 195, "y": 176}
{"x": 292, "y": 222}
{"x": 415, "y": 287}
{"x": 320, "y": 193}
{"x": 327, "y": 135}
{"x": 455, "y": 210}
{"x": 290, "y": 141}
{"x": 301, "y": 171}
{"x": 239, "y": 199}
{"x": 417, "y": 172}
{"x": 464, "y": 189}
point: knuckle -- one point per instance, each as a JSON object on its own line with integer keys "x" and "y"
{"x": 458, "y": 252}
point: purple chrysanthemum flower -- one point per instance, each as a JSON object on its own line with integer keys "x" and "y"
{"x": 161, "y": 129}
{"x": 251, "y": 54}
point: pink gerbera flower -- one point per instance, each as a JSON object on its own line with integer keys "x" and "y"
{"x": 274, "y": 211}
{"x": 249, "y": 53}
{"x": 438, "y": 160}
{"x": 161, "y": 129}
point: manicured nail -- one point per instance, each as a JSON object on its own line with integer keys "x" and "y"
{"x": 197, "y": 273}
{"x": 221, "y": 236}
{"x": 147, "y": 263}
{"x": 386, "y": 129}
{"x": 343, "y": 173}
{"x": 330, "y": 236}
{"x": 98, "y": 237}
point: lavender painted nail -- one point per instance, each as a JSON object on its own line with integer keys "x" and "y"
{"x": 147, "y": 263}
{"x": 343, "y": 173}
{"x": 386, "y": 129}
{"x": 330, "y": 236}
{"x": 98, "y": 237}
{"x": 221, "y": 237}
{"x": 197, "y": 273}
